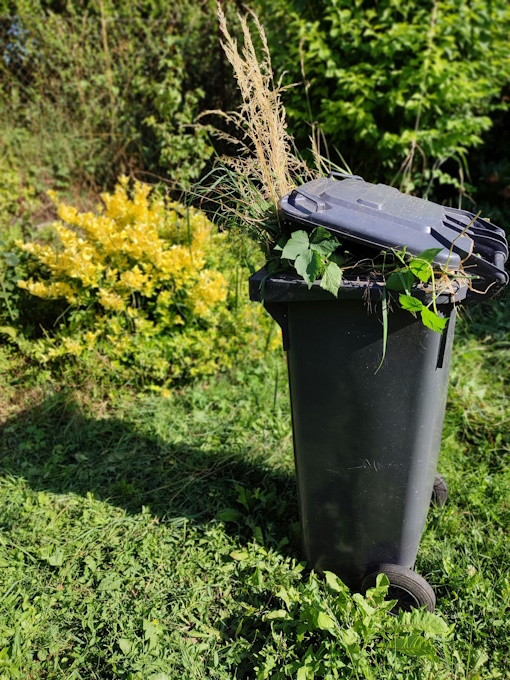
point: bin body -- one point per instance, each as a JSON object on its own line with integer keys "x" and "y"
{"x": 366, "y": 441}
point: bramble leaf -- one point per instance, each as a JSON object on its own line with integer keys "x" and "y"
{"x": 401, "y": 280}
{"x": 297, "y": 244}
{"x": 308, "y": 265}
{"x": 325, "y": 247}
{"x": 421, "y": 269}
{"x": 410, "y": 303}
{"x": 337, "y": 259}
{"x": 323, "y": 242}
{"x": 332, "y": 278}
{"x": 320, "y": 234}
{"x": 429, "y": 254}
{"x": 432, "y": 320}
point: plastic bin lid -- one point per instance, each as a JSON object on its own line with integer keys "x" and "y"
{"x": 380, "y": 216}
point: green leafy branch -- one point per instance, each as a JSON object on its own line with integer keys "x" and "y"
{"x": 314, "y": 256}
{"x": 417, "y": 268}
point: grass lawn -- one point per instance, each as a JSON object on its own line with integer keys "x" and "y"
{"x": 151, "y": 538}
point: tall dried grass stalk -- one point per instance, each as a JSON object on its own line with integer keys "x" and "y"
{"x": 266, "y": 167}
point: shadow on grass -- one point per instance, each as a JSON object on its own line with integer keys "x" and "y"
{"x": 56, "y": 447}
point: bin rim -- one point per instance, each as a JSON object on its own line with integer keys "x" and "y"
{"x": 288, "y": 286}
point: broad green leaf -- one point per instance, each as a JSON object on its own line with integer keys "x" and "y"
{"x": 380, "y": 590}
{"x": 320, "y": 234}
{"x": 349, "y": 637}
{"x": 308, "y": 265}
{"x": 229, "y": 515}
{"x": 323, "y": 242}
{"x": 432, "y": 320}
{"x": 401, "y": 280}
{"x": 297, "y": 244}
{"x": 334, "y": 583}
{"x": 302, "y": 673}
{"x": 424, "y": 621}
{"x": 415, "y": 645}
{"x": 12, "y": 259}
{"x": 278, "y": 614}
{"x": 332, "y": 278}
{"x": 337, "y": 259}
{"x": 325, "y": 247}
{"x": 9, "y": 331}
{"x": 429, "y": 254}
{"x": 111, "y": 582}
{"x": 125, "y": 645}
{"x": 325, "y": 622}
{"x": 239, "y": 555}
{"x": 421, "y": 269}
{"x": 363, "y": 604}
{"x": 411, "y": 303}
{"x": 57, "y": 558}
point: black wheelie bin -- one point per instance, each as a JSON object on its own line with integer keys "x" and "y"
{"x": 366, "y": 441}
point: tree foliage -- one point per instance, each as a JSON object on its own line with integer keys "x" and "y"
{"x": 397, "y": 87}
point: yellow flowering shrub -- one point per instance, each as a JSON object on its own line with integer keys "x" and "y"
{"x": 150, "y": 288}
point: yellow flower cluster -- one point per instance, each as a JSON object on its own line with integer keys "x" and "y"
{"x": 143, "y": 282}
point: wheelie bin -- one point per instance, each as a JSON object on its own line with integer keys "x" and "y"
{"x": 367, "y": 439}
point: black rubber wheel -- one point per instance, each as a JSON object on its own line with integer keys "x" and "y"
{"x": 440, "y": 491}
{"x": 406, "y": 586}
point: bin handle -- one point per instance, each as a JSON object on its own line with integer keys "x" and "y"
{"x": 344, "y": 175}
{"x": 321, "y": 205}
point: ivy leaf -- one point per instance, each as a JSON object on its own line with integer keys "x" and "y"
{"x": 421, "y": 268}
{"x": 332, "y": 278}
{"x": 432, "y": 320}
{"x": 401, "y": 280}
{"x": 308, "y": 265}
{"x": 297, "y": 245}
{"x": 429, "y": 254}
{"x": 410, "y": 303}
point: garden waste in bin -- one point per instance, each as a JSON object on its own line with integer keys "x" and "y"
{"x": 366, "y": 440}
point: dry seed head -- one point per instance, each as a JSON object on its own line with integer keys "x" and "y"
{"x": 266, "y": 146}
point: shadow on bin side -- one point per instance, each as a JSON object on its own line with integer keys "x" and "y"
{"x": 366, "y": 441}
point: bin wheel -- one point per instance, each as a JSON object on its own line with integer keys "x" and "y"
{"x": 406, "y": 586}
{"x": 440, "y": 491}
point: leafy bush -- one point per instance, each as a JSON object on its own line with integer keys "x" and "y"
{"x": 148, "y": 286}
{"x": 397, "y": 87}
{"x": 86, "y": 90}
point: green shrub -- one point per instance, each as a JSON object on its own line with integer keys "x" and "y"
{"x": 151, "y": 290}
{"x": 84, "y": 91}
{"x": 397, "y": 87}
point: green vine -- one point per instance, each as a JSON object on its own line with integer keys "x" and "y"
{"x": 318, "y": 255}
